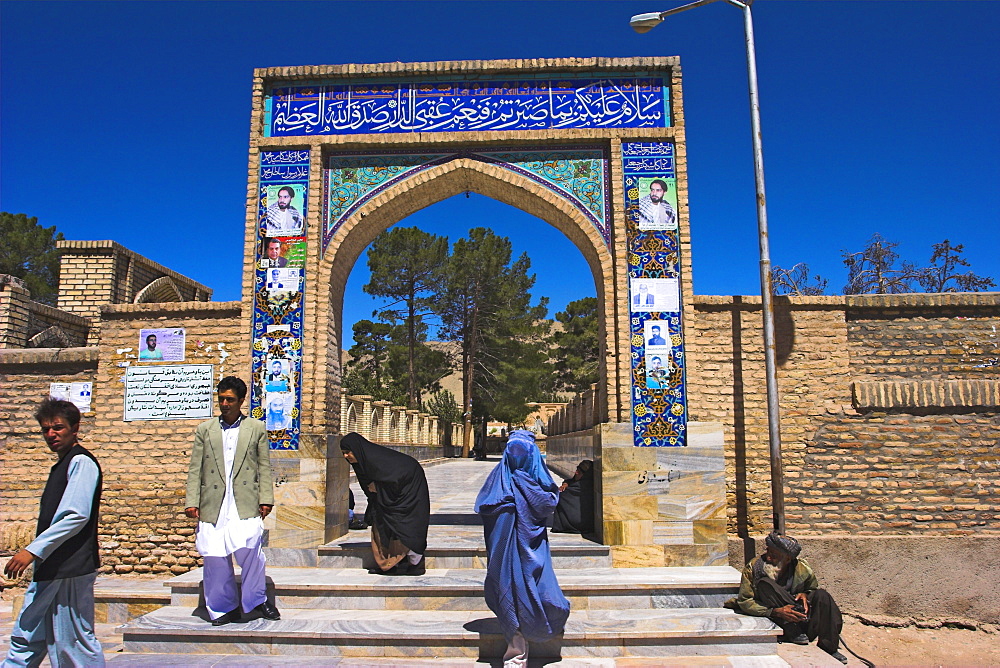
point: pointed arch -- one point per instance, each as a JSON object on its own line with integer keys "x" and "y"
{"x": 463, "y": 174}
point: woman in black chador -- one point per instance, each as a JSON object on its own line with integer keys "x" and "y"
{"x": 399, "y": 505}
{"x": 575, "y": 512}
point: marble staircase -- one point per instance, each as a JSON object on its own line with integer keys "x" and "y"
{"x": 335, "y": 613}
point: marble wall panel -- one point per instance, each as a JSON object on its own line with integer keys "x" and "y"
{"x": 299, "y": 493}
{"x": 629, "y": 458}
{"x": 673, "y": 533}
{"x": 691, "y": 459}
{"x": 295, "y": 538}
{"x": 628, "y": 532}
{"x": 636, "y": 556}
{"x": 641, "y": 507}
{"x": 300, "y": 517}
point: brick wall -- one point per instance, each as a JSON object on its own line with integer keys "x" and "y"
{"x": 926, "y": 466}
{"x": 143, "y": 527}
{"x": 24, "y": 458}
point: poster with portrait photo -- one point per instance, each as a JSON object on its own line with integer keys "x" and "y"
{"x": 656, "y": 208}
{"x": 280, "y": 253}
{"x": 277, "y": 375}
{"x": 657, "y": 337}
{"x": 278, "y": 410}
{"x": 285, "y": 213}
{"x": 283, "y": 280}
{"x": 161, "y": 345}
{"x": 654, "y": 294}
{"x": 658, "y": 371}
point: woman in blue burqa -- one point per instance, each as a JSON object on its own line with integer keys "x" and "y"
{"x": 521, "y": 589}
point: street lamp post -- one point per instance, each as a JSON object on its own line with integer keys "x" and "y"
{"x": 642, "y": 23}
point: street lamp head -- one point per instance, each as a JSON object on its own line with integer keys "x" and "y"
{"x": 645, "y": 22}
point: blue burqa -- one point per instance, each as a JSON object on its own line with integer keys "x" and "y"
{"x": 515, "y": 501}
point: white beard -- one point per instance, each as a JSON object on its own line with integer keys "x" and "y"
{"x": 771, "y": 570}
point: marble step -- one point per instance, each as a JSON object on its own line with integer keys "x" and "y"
{"x": 453, "y": 634}
{"x": 462, "y": 589}
{"x": 460, "y": 545}
{"x": 130, "y": 660}
{"x": 118, "y": 599}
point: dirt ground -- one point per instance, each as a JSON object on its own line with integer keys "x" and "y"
{"x": 912, "y": 646}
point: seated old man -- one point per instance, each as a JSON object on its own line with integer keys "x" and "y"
{"x": 784, "y": 588}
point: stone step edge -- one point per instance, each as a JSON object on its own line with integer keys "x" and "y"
{"x": 401, "y": 627}
{"x": 270, "y": 660}
{"x": 457, "y": 551}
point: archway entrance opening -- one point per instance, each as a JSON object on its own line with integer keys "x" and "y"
{"x": 375, "y": 332}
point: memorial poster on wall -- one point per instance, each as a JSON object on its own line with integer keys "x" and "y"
{"x": 279, "y": 292}
{"x": 161, "y": 345}
{"x": 77, "y": 393}
{"x": 659, "y": 395}
{"x": 169, "y": 392}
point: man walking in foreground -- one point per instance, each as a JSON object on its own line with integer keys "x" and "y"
{"x": 229, "y": 491}
{"x": 57, "y": 617}
{"x": 784, "y": 588}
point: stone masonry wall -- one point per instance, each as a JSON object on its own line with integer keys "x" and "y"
{"x": 24, "y": 458}
{"x": 143, "y": 527}
{"x": 924, "y": 466}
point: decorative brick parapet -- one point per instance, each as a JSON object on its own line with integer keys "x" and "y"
{"x": 924, "y": 300}
{"x": 37, "y": 357}
{"x": 173, "y": 309}
{"x": 925, "y": 394}
{"x": 456, "y": 67}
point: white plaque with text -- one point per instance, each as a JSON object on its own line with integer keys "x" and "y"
{"x": 169, "y": 392}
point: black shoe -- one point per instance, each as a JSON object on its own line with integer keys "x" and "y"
{"x": 268, "y": 611}
{"x": 418, "y": 568}
{"x": 800, "y": 639}
{"x": 357, "y": 523}
{"x": 231, "y": 616}
{"x": 839, "y": 657}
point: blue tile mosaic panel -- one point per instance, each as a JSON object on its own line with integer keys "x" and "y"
{"x": 659, "y": 397}
{"x": 443, "y": 105}
{"x": 279, "y": 281}
{"x": 578, "y": 174}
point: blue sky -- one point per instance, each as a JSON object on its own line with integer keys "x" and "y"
{"x": 129, "y": 121}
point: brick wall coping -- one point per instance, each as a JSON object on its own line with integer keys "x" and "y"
{"x": 171, "y": 309}
{"x": 924, "y": 299}
{"x": 22, "y": 356}
{"x": 103, "y": 246}
{"x": 478, "y": 67}
{"x": 915, "y": 299}
{"x": 58, "y": 314}
{"x": 900, "y": 394}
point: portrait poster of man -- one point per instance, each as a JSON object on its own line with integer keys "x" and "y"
{"x": 283, "y": 280}
{"x": 656, "y": 208}
{"x": 161, "y": 345}
{"x": 658, "y": 372}
{"x": 657, "y": 336}
{"x": 654, "y": 294}
{"x": 285, "y": 214}
{"x": 277, "y": 375}
{"x": 278, "y": 410}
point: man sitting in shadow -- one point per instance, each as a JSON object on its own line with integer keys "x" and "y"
{"x": 575, "y": 511}
{"x": 782, "y": 587}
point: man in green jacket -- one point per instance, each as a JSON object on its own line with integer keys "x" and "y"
{"x": 229, "y": 492}
{"x": 784, "y": 588}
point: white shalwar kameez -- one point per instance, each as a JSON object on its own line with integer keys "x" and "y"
{"x": 231, "y": 535}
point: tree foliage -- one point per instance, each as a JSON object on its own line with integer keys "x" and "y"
{"x": 485, "y": 306}
{"x": 29, "y": 252}
{"x": 943, "y": 276}
{"x": 575, "y": 348}
{"x": 406, "y": 265}
{"x": 444, "y": 405}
